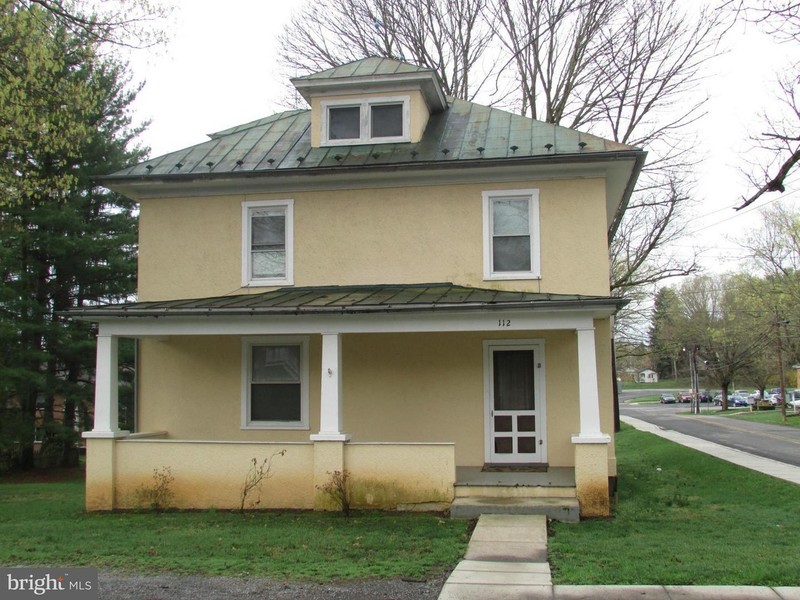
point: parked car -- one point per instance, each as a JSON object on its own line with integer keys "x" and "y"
{"x": 705, "y": 396}
{"x": 685, "y": 397}
{"x": 667, "y": 399}
{"x": 733, "y": 400}
{"x": 795, "y": 399}
{"x": 737, "y": 400}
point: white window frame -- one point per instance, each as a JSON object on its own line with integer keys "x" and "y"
{"x": 248, "y": 208}
{"x": 247, "y": 358}
{"x": 532, "y": 196}
{"x": 365, "y": 127}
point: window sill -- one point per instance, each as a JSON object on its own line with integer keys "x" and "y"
{"x": 267, "y": 283}
{"x": 364, "y": 141}
{"x": 276, "y": 426}
{"x": 511, "y": 276}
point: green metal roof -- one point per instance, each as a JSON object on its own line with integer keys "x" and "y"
{"x": 352, "y": 300}
{"x": 282, "y": 143}
{"x": 366, "y": 67}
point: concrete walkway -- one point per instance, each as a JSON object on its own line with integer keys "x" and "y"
{"x": 507, "y": 554}
{"x": 506, "y": 558}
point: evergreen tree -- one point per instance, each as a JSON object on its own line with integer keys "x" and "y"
{"x": 665, "y": 333}
{"x": 64, "y": 119}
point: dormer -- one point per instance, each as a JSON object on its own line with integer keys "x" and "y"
{"x": 370, "y": 101}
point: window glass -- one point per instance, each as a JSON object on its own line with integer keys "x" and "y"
{"x": 268, "y": 243}
{"x": 275, "y": 402}
{"x": 275, "y": 387}
{"x": 344, "y": 123}
{"x": 512, "y": 253}
{"x": 513, "y": 380}
{"x": 510, "y": 216}
{"x": 511, "y": 241}
{"x": 387, "y": 120}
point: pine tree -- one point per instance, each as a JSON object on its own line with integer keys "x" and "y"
{"x": 64, "y": 119}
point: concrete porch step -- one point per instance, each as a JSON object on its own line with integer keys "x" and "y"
{"x": 559, "y": 509}
{"x": 513, "y": 491}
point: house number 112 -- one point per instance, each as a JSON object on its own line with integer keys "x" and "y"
{"x": 504, "y": 322}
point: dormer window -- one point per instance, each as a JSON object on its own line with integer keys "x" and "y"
{"x": 365, "y": 121}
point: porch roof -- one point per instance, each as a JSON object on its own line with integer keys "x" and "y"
{"x": 354, "y": 300}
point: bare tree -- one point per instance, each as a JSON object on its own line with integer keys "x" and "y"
{"x": 451, "y": 36}
{"x": 627, "y": 70}
{"x": 553, "y": 47}
{"x": 780, "y": 137}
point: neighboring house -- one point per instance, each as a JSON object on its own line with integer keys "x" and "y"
{"x": 405, "y": 286}
{"x": 647, "y": 376}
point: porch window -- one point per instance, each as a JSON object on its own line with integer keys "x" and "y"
{"x": 511, "y": 234}
{"x": 275, "y": 384}
{"x": 267, "y": 242}
{"x": 369, "y": 120}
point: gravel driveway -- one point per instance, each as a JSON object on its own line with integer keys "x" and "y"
{"x": 116, "y": 586}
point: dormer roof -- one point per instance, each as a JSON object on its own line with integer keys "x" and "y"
{"x": 374, "y": 74}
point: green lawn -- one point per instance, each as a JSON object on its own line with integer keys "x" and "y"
{"x": 683, "y": 518}
{"x": 645, "y": 400}
{"x": 45, "y": 524}
{"x": 663, "y": 384}
{"x": 766, "y": 416}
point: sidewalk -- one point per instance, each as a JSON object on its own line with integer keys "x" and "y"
{"x": 506, "y": 557}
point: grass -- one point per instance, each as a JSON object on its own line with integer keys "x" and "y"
{"x": 772, "y": 417}
{"x": 683, "y": 518}
{"x": 666, "y": 384}
{"x": 45, "y": 524}
{"x": 646, "y": 399}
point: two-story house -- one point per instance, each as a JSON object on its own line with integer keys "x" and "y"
{"x": 395, "y": 283}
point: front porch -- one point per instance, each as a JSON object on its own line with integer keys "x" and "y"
{"x": 397, "y": 396}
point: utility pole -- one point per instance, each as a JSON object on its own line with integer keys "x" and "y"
{"x": 781, "y": 373}
{"x": 695, "y": 381}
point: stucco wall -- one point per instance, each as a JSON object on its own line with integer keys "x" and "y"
{"x": 212, "y": 474}
{"x": 396, "y": 388}
{"x": 192, "y": 247}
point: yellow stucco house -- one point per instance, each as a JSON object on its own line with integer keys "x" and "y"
{"x": 395, "y": 283}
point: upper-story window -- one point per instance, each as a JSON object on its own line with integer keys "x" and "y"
{"x": 267, "y": 248}
{"x": 511, "y": 234}
{"x": 371, "y": 120}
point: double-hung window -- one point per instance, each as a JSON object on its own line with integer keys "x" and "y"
{"x": 511, "y": 234}
{"x": 267, "y": 257}
{"x": 371, "y": 120}
{"x": 275, "y": 383}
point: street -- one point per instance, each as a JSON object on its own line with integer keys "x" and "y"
{"x": 777, "y": 442}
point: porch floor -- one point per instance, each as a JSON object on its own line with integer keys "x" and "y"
{"x": 553, "y": 477}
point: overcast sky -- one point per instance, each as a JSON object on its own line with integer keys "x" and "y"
{"x": 219, "y": 70}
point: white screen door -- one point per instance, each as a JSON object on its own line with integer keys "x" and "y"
{"x": 515, "y": 404}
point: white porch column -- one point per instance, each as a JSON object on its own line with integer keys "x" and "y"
{"x": 589, "y": 399}
{"x": 330, "y": 421}
{"x": 591, "y": 444}
{"x": 106, "y": 389}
